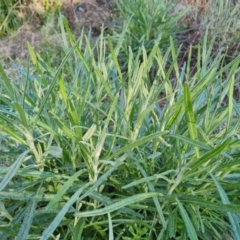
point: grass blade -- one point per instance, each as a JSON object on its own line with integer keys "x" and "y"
{"x": 64, "y": 188}
{"x": 13, "y": 170}
{"x": 77, "y": 234}
{"x": 27, "y": 221}
{"x": 194, "y": 165}
{"x": 111, "y": 237}
{"x": 55, "y": 78}
{"x": 7, "y": 84}
{"x": 118, "y": 205}
{"x": 233, "y": 219}
{"x": 54, "y": 224}
{"x": 188, "y": 224}
{"x": 190, "y": 116}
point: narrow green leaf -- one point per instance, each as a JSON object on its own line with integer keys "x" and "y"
{"x": 107, "y": 201}
{"x": 172, "y": 223}
{"x": 152, "y": 178}
{"x": 27, "y": 221}
{"x": 114, "y": 57}
{"x": 54, "y": 151}
{"x": 78, "y": 229}
{"x": 230, "y": 102}
{"x": 70, "y": 133}
{"x": 64, "y": 188}
{"x": 188, "y": 224}
{"x": 233, "y": 219}
{"x": 13, "y": 170}
{"x": 194, "y": 165}
{"x": 62, "y": 90}
{"x": 136, "y": 143}
{"x": 110, "y": 226}
{"x": 173, "y": 118}
{"x": 74, "y": 118}
{"x": 102, "y": 178}
{"x": 102, "y": 136}
{"x": 190, "y": 141}
{"x": 196, "y": 201}
{"x": 26, "y": 196}
{"x": 64, "y": 26}
{"x": 155, "y": 199}
{"x": 7, "y": 84}
{"x": 33, "y": 57}
{"x": 21, "y": 114}
{"x": 55, "y": 78}
{"x": 10, "y": 131}
{"x": 89, "y": 133}
{"x": 118, "y": 205}
{"x": 190, "y": 116}
{"x": 54, "y": 224}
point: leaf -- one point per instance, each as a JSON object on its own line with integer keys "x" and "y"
{"x": 172, "y": 223}
{"x": 155, "y": 199}
{"x": 136, "y": 143}
{"x": 190, "y": 141}
{"x": 190, "y": 116}
{"x": 148, "y": 179}
{"x": 111, "y": 237}
{"x": 62, "y": 90}
{"x": 188, "y": 224}
{"x": 54, "y": 151}
{"x": 27, "y": 221}
{"x": 26, "y": 196}
{"x": 194, "y": 165}
{"x": 54, "y": 224}
{"x": 66, "y": 130}
{"x": 89, "y": 133}
{"x": 7, "y": 84}
{"x": 233, "y": 219}
{"x": 77, "y": 233}
{"x": 13, "y": 170}
{"x": 173, "y": 118}
{"x": 64, "y": 188}
{"x": 118, "y": 205}
{"x": 196, "y": 201}
{"x": 53, "y": 83}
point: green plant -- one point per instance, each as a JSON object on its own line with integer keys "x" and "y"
{"x": 101, "y": 155}
{"x": 220, "y": 18}
{"x": 13, "y": 13}
{"x": 11, "y": 16}
{"x": 148, "y": 22}
{"x": 223, "y": 22}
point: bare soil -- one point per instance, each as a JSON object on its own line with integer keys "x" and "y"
{"x": 80, "y": 14}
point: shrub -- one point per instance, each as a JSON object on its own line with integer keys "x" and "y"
{"x": 96, "y": 153}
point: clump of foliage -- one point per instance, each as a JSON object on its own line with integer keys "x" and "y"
{"x": 10, "y": 16}
{"x": 92, "y": 150}
{"x": 148, "y": 23}
{"x": 13, "y": 13}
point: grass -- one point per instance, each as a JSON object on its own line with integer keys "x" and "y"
{"x": 109, "y": 145}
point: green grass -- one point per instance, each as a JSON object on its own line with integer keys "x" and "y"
{"x": 95, "y": 148}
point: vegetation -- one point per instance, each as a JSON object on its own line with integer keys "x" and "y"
{"x": 13, "y": 13}
{"x": 122, "y": 141}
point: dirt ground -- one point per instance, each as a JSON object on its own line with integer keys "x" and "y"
{"x": 90, "y": 14}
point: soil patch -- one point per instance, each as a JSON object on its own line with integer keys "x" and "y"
{"x": 91, "y": 14}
